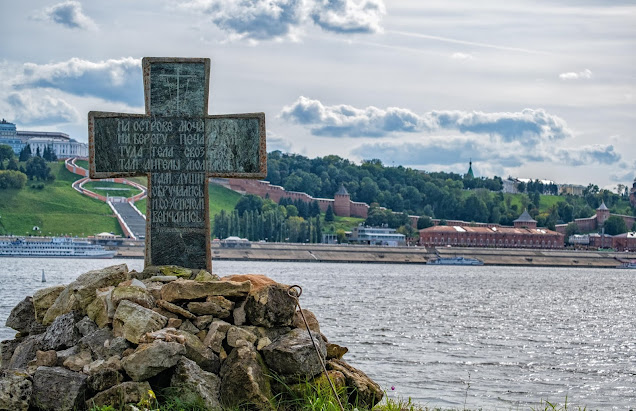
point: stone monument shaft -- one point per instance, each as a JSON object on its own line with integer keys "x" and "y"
{"x": 178, "y": 146}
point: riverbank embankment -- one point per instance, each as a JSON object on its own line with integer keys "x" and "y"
{"x": 407, "y": 255}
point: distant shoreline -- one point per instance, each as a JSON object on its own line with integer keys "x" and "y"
{"x": 351, "y": 254}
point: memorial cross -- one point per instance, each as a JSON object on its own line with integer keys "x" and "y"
{"x": 178, "y": 146}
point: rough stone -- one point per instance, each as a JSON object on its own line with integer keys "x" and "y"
{"x": 43, "y": 300}
{"x": 234, "y": 334}
{"x": 15, "y": 391}
{"x": 203, "y": 275}
{"x": 78, "y": 361}
{"x": 7, "y": 348}
{"x": 244, "y": 380}
{"x": 47, "y": 394}
{"x": 173, "y": 308}
{"x": 174, "y": 322}
{"x": 149, "y": 360}
{"x": 365, "y": 391}
{"x": 238, "y": 314}
{"x": 258, "y": 281}
{"x": 97, "y": 366}
{"x": 311, "y": 320}
{"x": 217, "y": 306}
{"x": 335, "y": 351}
{"x": 104, "y": 379}
{"x": 22, "y": 317}
{"x": 62, "y": 332}
{"x": 188, "y": 327}
{"x": 86, "y": 326}
{"x": 101, "y": 309}
{"x": 25, "y": 351}
{"x": 154, "y": 288}
{"x": 63, "y": 355}
{"x": 132, "y": 321}
{"x": 120, "y": 395}
{"x": 164, "y": 278}
{"x": 270, "y": 306}
{"x": 133, "y": 293}
{"x": 195, "y": 349}
{"x": 262, "y": 343}
{"x": 81, "y": 292}
{"x": 193, "y": 384}
{"x": 203, "y": 321}
{"x": 165, "y": 313}
{"x": 293, "y": 355}
{"x": 216, "y": 335}
{"x": 187, "y": 290}
{"x": 46, "y": 358}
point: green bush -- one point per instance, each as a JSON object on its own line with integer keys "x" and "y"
{"x": 12, "y": 179}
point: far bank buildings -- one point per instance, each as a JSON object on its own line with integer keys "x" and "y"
{"x": 62, "y": 145}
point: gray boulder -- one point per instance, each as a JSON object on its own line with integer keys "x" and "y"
{"x": 86, "y": 326}
{"x": 293, "y": 355}
{"x": 120, "y": 395}
{"x": 62, "y": 333}
{"x": 132, "y": 321}
{"x": 187, "y": 290}
{"x": 104, "y": 379}
{"x": 149, "y": 360}
{"x": 244, "y": 380}
{"x": 101, "y": 309}
{"x": 365, "y": 391}
{"x": 7, "y": 348}
{"x": 270, "y": 306}
{"x": 25, "y": 352}
{"x": 15, "y": 391}
{"x": 192, "y": 384}
{"x": 81, "y": 292}
{"x": 215, "y": 305}
{"x": 22, "y": 317}
{"x": 103, "y": 344}
{"x": 59, "y": 389}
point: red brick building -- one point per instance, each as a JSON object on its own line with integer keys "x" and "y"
{"x": 594, "y": 223}
{"x": 524, "y": 234}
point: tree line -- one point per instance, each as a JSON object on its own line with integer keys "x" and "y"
{"x": 15, "y": 175}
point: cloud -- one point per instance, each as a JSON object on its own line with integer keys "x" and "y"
{"x": 591, "y": 154}
{"x": 116, "y": 80}
{"x": 625, "y": 174}
{"x": 37, "y": 109}
{"x": 69, "y": 14}
{"x": 348, "y": 16}
{"x": 258, "y": 20}
{"x": 581, "y": 75}
{"x": 343, "y": 120}
{"x": 461, "y": 56}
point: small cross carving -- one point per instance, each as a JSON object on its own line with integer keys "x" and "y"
{"x": 178, "y": 146}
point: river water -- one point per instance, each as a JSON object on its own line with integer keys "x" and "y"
{"x": 490, "y": 337}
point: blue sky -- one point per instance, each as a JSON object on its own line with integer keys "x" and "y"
{"x": 529, "y": 89}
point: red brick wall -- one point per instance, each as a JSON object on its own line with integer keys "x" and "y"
{"x": 499, "y": 240}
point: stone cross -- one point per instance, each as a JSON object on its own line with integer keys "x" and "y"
{"x": 178, "y": 146}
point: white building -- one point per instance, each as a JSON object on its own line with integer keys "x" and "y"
{"x": 376, "y": 236}
{"x": 62, "y": 145}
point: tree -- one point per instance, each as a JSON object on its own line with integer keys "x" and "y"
{"x": 249, "y": 202}
{"x": 521, "y": 187}
{"x": 329, "y": 214}
{"x": 37, "y": 152}
{"x": 424, "y": 222}
{"x": 571, "y": 229}
{"x": 36, "y": 168}
{"x": 6, "y": 152}
{"x": 341, "y": 235}
{"x": 12, "y": 165}
{"x": 25, "y": 153}
{"x": 615, "y": 225}
{"x": 12, "y": 179}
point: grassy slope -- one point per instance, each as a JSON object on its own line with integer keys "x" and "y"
{"x": 101, "y": 187}
{"x": 56, "y": 209}
{"x": 345, "y": 223}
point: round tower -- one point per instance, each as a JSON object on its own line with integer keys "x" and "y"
{"x": 525, "y": 220}
{"x": 602, "y": 214}
{"x": 342, "y": 202}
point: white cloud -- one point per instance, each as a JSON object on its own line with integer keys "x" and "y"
{"x": 349, "y": 16}
{"x": 114, "y": 79}
{"x": 36, "y": 108}
{"x": 259, "y": 20}
{"x": 581, "y": 75}
{"x": 69, "y": 14}
{"x": 528, "y": 125}
{"x": 461, "y": 56}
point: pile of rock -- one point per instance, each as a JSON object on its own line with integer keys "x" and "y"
{"x": 112, "y": 335}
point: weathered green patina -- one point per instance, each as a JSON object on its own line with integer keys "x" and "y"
{"x": 178, "y": 146}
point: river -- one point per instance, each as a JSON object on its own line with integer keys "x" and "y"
{"x": 489, "y": 337}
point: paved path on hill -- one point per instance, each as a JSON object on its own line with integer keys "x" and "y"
{"x": 131, "y": 220}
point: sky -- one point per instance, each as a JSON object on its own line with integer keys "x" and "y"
{"x": 528, "y": 89}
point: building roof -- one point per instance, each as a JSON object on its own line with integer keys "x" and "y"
{"x": 470, "y": 170}
{"x": 602, "y": 207}
{"x": 449, "y": 229}
{"x": 342, "y": 191}
{"x": 525, "y": 218}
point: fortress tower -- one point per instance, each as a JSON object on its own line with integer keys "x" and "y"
{"x": 602, "y": 214}
{"x": 525, "y": 221}
{"x": 342, "y": 202}
{"x": 632, "y": 194}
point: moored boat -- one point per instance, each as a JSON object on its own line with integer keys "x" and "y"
{"x": 455, "y": 261}
{"x": 628, "y": 265}
{"x": 56, "y": 247}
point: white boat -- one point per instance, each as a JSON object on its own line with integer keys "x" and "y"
{"x": 55, "y": 247}
{"x": 455, "y": 261}
{"x": 629, "y": 265}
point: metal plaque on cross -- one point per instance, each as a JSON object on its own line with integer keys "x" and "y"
{"x": 178, "y": 146}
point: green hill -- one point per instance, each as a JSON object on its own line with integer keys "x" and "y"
{"x": 56, "y": 209}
